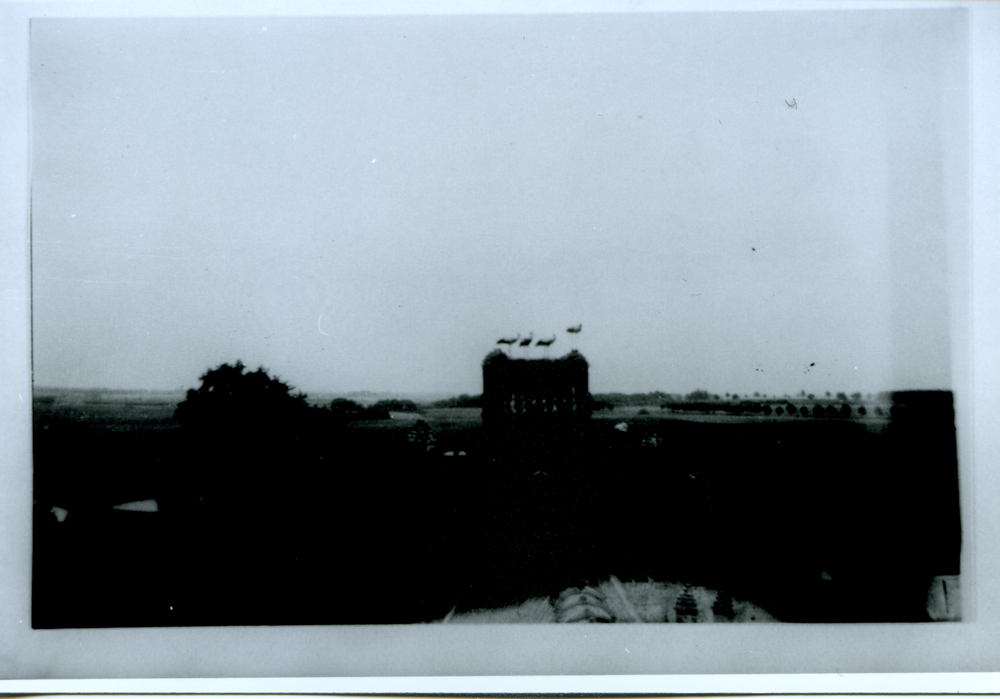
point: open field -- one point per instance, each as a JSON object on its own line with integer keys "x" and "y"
{"x": 806, "y": 518}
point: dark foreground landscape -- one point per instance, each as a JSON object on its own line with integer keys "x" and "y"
{"x": 316, "y": 519}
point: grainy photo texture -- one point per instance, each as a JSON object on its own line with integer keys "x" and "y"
{"x": 467, "y": 319}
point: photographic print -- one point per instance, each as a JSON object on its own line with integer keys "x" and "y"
{"x": 497, "y": 319}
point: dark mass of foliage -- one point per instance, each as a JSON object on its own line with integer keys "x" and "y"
{"x": 747, "y": 407}
{"x": 231, "y": 395}
{"x": 248, "y": 436}
{"x": 268, "y": 477}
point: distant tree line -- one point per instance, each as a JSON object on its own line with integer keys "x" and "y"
{"x": 347, "y": 410}
{"x": 462, "y": 401}
{"x": 396, "y": 405}
{"x": 841, "y": 398}
{"x": 748, "y": 407}
{"x": 601, "y": 401}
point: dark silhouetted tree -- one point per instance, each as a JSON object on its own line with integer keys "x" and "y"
{"x": 238, "y": 426}
{"x": 229, "y": 395}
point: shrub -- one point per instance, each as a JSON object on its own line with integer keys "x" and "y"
{"x": 236, "y": 424}
{"x": 229, "y": 395}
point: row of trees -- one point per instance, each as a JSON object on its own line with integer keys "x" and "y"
{"x": 351, "y": 411}
{"x": 701, "y": 395}
{"x": 462, "y": 401}
{"x": 631, "y": 399}
{"x": 842, "y": 410}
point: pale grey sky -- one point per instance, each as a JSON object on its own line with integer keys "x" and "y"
{"x": 369, "y": 203}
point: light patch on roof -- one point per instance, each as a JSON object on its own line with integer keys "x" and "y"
{"x": 139, "y": 506}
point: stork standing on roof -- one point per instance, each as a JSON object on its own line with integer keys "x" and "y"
{"x": 526, "y": 342}
{"x": 546, "y": 344}
{"x": 575, "y": 330}
{"x": 508, "y": 341}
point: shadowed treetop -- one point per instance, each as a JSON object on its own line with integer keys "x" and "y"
{"x": 229, "y": 392}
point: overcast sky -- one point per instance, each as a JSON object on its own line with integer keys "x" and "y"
{"x": 370, "y": 203}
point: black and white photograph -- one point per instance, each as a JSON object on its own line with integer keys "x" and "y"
{"x": 569, "y": 318}
{"x": 478, "y": 320}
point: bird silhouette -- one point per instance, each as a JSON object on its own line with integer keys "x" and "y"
{"x": 508, "y": 340}
{"x": 527, "y": 341}
{"x": 575, "y": 329}
{"x": 545, "y": 344}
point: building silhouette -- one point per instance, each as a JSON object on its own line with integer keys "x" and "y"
{"x": 534, "y": 404}
{"x": 519, "y": 392}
